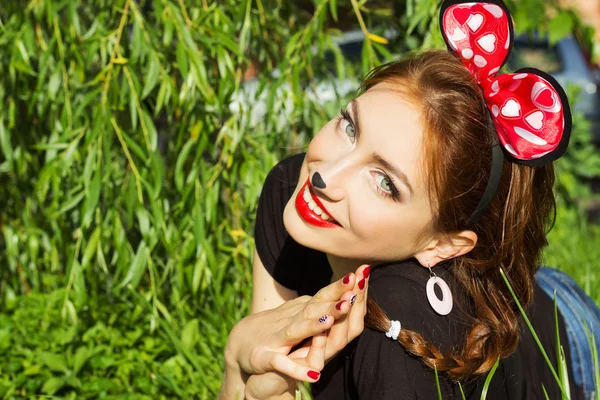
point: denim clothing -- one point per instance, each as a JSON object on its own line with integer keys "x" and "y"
{"x": 576, "y": 307}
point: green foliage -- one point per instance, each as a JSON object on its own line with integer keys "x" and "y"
{"x": 109, "y": 350}
{"x": 132, "y": 157}
{"x": 559, "y": 380}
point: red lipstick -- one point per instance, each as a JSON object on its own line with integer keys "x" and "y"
{"x": 309, "y": 215}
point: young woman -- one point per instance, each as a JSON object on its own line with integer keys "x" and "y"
{"x": 378, "y": 251}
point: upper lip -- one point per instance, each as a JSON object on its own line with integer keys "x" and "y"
{"x": 321, "y": 206}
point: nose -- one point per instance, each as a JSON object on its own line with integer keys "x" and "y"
{"x": 330, "y": 179}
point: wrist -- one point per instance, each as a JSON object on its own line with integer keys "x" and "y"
{"x": 234, "y": 379}
{"x": 233, "y": 385}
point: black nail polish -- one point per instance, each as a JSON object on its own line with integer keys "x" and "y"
{"x": 323, "y": 318}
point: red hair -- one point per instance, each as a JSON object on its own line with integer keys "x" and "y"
{"x": 511, "y": 233}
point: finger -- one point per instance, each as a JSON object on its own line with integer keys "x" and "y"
{"x": 316, "y": 309}
{"x": 336, "y": 308}
{"x": 315, "y": 318}
{"x": 301, "y": 328}
{"x": 336, "y": 289}
{"x": 316, "y": 354}
{"x": 337, "y": 336}
{"x": 283, "y": 364}
{"x": 296, "y": 302}
{"x": 359, "y": 309}
{"x": 362, "y": 277}
{"x": 342, "y": 307}
{"x": 302, "y": 351}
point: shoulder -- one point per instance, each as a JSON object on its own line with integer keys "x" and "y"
{"x": 285, "y": 172}
{"x": 399, "y": 289}
{"x": 395, "y": 286}
{"x": 382, "y": 368}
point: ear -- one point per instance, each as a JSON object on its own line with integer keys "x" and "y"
{"x": 446, "y": 246}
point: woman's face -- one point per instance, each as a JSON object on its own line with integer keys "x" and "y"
{"x": 374, "y": 189}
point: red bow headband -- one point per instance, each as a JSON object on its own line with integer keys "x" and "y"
{"x": 529, "y": 108}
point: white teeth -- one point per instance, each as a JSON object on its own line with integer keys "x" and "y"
{"x": 306, "y": 196}
{"x": 313, "y": 205}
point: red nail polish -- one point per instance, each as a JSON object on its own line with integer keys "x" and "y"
{"x": 361, "y": 284}
{"x": 338, "y": 306}
{"x": 346, "y": 279}
{"x": 313, "y": 374}
{"x": 367, "y": 271}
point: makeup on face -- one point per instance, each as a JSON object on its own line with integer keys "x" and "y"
{"x": 376, "y": 226}
{"x": 311, "y": 209}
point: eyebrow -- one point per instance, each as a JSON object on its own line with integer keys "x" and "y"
{"x": 356, "y": 122}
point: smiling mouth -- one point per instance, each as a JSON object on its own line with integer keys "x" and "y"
{"x": 312, "y": 210}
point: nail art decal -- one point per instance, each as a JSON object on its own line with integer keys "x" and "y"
{"x": 323, "y": 318}
{"x": 352, "y": 299}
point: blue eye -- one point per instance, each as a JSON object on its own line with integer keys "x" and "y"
{"x": 384, "y": 183}
{"x": 348, "y": 129}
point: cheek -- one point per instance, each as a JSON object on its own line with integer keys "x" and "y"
{"x": 386, "y": 226}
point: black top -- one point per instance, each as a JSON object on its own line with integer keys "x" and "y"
{"x": 373, "y": 366}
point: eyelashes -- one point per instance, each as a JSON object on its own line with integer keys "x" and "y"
{"x": 344, "y": 114}
{"x": 392, "y": 192}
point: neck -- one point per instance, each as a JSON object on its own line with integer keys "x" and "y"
{"x": 341, "y": 266}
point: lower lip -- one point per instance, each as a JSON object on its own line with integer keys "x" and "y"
{"x": 309, "y": 215}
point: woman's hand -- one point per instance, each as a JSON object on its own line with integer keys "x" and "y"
{"x": 260, "y": 342}
{"x": 346, "y": 328}
{"x": 276, "y": 386}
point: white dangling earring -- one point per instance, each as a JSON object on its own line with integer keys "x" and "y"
{"x": 444, "y": 306}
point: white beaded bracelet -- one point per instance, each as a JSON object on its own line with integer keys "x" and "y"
{"x": 394, "y": 330}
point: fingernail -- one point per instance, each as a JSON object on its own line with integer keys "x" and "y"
{"x": 361, "y": 284}
{"x": 352, "y": 299}
{"x": 338, "y": 306}
{"x": 346, "y": 279}
{"x": 367, "y": 271}
{"x": 323, "y": 318}
{"x": 313, "y": 374}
